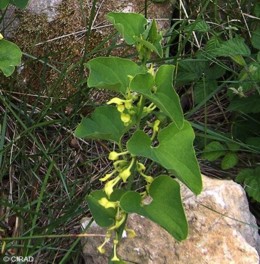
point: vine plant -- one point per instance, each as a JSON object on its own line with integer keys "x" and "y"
{"x": 145, "y": 122}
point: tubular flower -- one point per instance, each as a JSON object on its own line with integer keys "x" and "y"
{"x": 115, "y": 257}
{"x": 151, "y": 70}
{"x": 148, "y": 109}
{"x": 107, "y": 176}
{"x": 126, "y": 172}
{"x": 130, "y": 233}
{"x": 125, "y": 118}
{"x": 140, "y": 167}
{"x": 148, "y": 179}
{"x": 107, "y": 204}
{"x": 156, "y": 125}
{"x": 119, "y": 221}
{"x": 128, "y": 104}
{"x": 155, "y": 128}
{"x": 109, "y": 186}
{"x": 119, "y": 165}
{"x": 115, "y": 155}
{"x": 121, "y": 104}
{"x": 116, "y": 101}
{"x": 100, "y": 248}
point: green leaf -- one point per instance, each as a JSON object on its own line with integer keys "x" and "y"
{"x": 111, "y": 73}
{"x": 129, "y": 25}
{"x": 249, "y": 104}
{"x": 230, "y": 48}
{"x": 229, "y": 161}
{"x": 10, "y": 56}
{"x": 256, "y": 38}
{"x": 203, "y": 89}
{"x": 251, "y": 180}
{"x": 160, "y": 91}
{"x": 233, "y": 146}
{"x": 165, "y": 209}
{"x": 4, "y": 4}
{"x": 104, "y": 217}
{"x": 19, "y": 3}
{"x": 153, "y": 37}
{"x": 213, "y": 151}
{"x": 199, "y": 26}
{"x": 152, "y": 47}
{"x": 105, "y": 123}
{"x": 174, "y": 152}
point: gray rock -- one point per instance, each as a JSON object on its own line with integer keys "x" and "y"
{"x": 47, "y": 7}
{"x": 222, "y": 230}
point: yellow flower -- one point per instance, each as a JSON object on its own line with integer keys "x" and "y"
{"x": 120, "y": 108}
{"x": 130, "y": 233}
{"x": 156, "y": 125}
{"x": 125, "y": 117}
{"x": 116, "y": 101}
{"x": 140, "y": 167}
{"x": 115, "y": 258}
{"x": 119, "y": 164}
{"x": 1, "y": 36}
{"x": 119, "y": 221}
{"x": 151, "y": 70}
{"x": 148, "y": 179}
{"x": 107, "y": 204}
{"x": 107, "y": 176}
{"x": 109, "y": 186}
{"x": 113, "y": 155}
{"x": 100, "y": 248}
{"x": 124, "y": 174}
{"x": 128, "y": 104}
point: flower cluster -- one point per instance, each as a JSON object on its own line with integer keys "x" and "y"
{"x": 125, "y": 107}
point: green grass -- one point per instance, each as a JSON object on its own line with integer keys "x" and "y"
{"x": 46, "y": 172}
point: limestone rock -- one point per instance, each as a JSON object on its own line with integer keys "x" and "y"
{"x": 221, "y": 230}
{"x": 48, "y": 7}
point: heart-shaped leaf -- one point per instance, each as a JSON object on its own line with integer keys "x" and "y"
{"x": 111, "y": 73}
{"x": 160, "y": 91}
{"x": 105, "y": 123}
{"x": 165, "y": 209}
{"x": 10, "y": 56}
{"x": 129, "y": 25}
{"x": 175, "y": 152}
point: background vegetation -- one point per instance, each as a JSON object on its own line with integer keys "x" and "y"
{"x": 46, "y": 172}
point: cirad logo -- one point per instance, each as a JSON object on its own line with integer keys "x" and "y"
{"x": 16, "y": 259}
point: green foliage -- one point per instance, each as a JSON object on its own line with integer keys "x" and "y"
{"x": 129, "y": 25}
{"x": 165, "y": 207}
{"x": 251, "y": 180}
{"x": 159, "y": 90}
{"x": 214, "y": 150}
{"x": 172, "y": 152}
{"x": 148, "y": 99}
{"x": 111, "y": 73}
{"x": 105, "y": 123}
{"x": 17, "y": 3}
{"x": 10, "y": 56}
